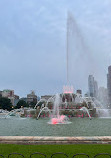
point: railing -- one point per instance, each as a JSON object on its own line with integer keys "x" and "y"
{"x": 55, "y": 155}
{"x": 60, "y": 153}
{"x": 37, "y": 153}
{"x": 18, "y": 154}
{"x": 81, "y": 154}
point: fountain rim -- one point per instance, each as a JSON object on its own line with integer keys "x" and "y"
{"x": 54, "y": 140}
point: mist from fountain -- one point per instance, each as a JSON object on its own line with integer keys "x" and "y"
{"x": 79, "y": 59}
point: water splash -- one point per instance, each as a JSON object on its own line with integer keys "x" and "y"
{"x": 56, "y": 118}
{"x": 84, "y": 109}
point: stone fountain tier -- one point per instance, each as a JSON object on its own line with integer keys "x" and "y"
{"x": 68, "y": 104}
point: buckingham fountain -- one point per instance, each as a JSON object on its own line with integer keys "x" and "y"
{"x": 61, "y": 107}
{"x": 65, "y": 109}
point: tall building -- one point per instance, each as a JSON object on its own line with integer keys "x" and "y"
{"x": 109, "y": 85}
{"x": 32, "y": 97}
{"x": 8, "y": 94}
{"x": 79, "y": 91}
{"x": 16, "y": 99}
{"x": 95, "y": 89}
{"x": 92, "y": 86}
{"x": 103, "y": 96}
{"x": 46, "y": 97}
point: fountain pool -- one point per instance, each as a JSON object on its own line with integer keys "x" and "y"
{"x": 16, "y": 126}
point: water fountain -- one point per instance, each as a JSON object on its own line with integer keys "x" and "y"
{"x": 46, "y": 109}
{"x": 59, "y": 108}
{"x": 65, "y": 104}
{"x": 84, "y": 109}
{"x": 15, "y": 112}
{"x": 68, "y": 102}
{"x": 56, "y": 118}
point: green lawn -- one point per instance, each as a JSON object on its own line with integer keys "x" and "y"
{"x": 70, "y": 150}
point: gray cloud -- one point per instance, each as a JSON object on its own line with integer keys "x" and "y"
{"x": 33, "y": 44}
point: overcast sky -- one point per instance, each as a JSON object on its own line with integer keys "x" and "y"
{"x": 33, "y": 44}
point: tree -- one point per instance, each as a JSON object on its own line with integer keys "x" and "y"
{"x": 32, "y": 104}
{"x": 5, "y": 104}
{"x": 21, "y": 103}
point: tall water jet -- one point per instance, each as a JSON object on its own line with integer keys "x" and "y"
{"x": 78, "y": 57}
{"x": 68, "y": 88}
{"x": 56, "y": 106}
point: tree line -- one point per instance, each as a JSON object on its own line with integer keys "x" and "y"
{"x": 6, "y": 104}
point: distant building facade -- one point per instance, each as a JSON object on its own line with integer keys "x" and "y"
{"x": 46, "y": 97}
{"x": 8, "y": 94}
{"x": 103, "y": 96}
{"x": 95, "y": 89}
{"x": 92, "y": 86}
{"x": 109, "y": 85}
{"x": 31, "y": 97}
{"x": 16, "y": 99}
{"x": 79, "y": 91}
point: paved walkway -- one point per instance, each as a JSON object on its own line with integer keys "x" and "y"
{"x": 54, "y": 140}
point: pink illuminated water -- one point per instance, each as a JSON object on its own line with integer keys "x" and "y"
{"x": 59, "y": 120}
{"x": 68, "y": 89}
{"x": 56, "y": 118}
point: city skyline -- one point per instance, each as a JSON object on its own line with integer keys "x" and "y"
{"x": 33, "y": 44}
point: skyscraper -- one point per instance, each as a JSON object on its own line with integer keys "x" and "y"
{"x": 95, "y": 89}
{"x": 103, "y": 96}
{"x": 92, "y": 86}
{"x": 109, "y": 85}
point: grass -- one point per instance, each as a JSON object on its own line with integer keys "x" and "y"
{"x": 70, "y": 150}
